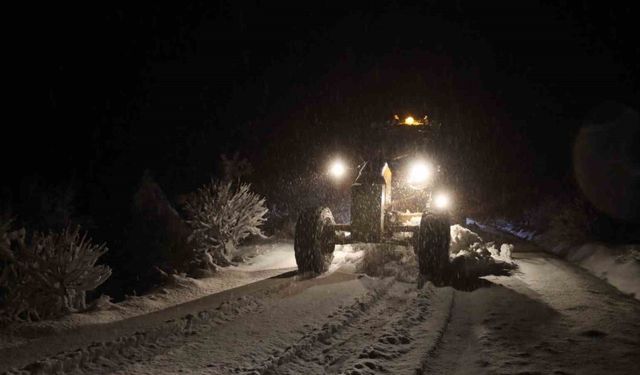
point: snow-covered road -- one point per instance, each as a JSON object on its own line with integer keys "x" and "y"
{"x": 549, "y": 318}
{"x": 552, "y": 318}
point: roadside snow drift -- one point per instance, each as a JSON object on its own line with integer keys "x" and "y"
{"x": 619, "y": 265}
{"x": 471, "y": 257}
{"x": 462, "y": 239}
{"x": 548, "y": 318}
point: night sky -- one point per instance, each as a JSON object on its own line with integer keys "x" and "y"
{"x": 108, "y": 91}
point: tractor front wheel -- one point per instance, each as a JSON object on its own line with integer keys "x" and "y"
{"x": 432, "y": 246}
{"x": 314, "y": 240}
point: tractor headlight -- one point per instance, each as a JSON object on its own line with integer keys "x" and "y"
{"x": 337, "y": 169}
{"x": 420, "y": 173}
{"x": 409, "y": 121}
{"x": 442, "y": 201}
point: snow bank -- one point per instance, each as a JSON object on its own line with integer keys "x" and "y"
{"x": 171, "y": 333}
{"x": 470, "y": 258}
{"x": 618, "y": 265}
{"x": 465, "y": 241}
{"x": 265, "y": 260}
{"x": 347, "y": 257}
{"x": 462, "y": 239}
{"x": 271, "y": 256}
{"x": 383, "y": 260}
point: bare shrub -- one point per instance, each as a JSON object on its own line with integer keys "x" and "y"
{"x": 221, "y": 215}
{"x": 49, "y": 275}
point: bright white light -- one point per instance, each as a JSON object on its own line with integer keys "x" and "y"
{"x": 419, "y": 173}
{"x": 409, "y": 120}
{"x": 337, "y": 169}
{"x": 442, "y": 201}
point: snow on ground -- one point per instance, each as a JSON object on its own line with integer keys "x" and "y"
{"x": 347, "y": 257}
{"x": 267, "y": 259}
{"x": 619, "y": 265}
{"x": 280, "y": 255}
{"x": 263, "y": 260}
{"x": 462, "y": 238}
{"x": 388, "y": 261}
{"x": 469, "y": 254}
{"x": 550, "y": 317}
{"x": 464, "y": 241}
{"x": 472, "y": 258}
{"x": 271, "y": 255}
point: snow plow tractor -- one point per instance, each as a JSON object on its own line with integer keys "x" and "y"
{"x": 416, "y": 214}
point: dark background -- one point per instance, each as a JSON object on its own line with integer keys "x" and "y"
{"x": 105, "y": 92}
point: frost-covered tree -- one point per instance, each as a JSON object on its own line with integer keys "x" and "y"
{"x": 49, "y": 275}
{"x": 222, "y": 214}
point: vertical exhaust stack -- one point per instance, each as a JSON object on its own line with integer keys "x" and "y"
{"x": 369, "y": 195}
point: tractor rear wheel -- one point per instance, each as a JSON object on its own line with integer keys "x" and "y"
{"x": 432, "y": 246}
{"x": 314, "y": 240}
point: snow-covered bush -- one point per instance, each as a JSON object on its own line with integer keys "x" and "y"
{"x": 49, "y": 275}
{"x": 222, "y": 214}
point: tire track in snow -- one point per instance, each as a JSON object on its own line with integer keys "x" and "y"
{"x": 430, "y": 353}
{"x": 406, "y": 343}
{"x": 337, "y": 322}
{"x": 395, "y": 334}
{"x": 329, "y": 355}
{"x": 105, "y": 357}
